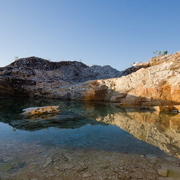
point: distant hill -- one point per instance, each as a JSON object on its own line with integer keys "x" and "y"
{"x": 34, "y": 68}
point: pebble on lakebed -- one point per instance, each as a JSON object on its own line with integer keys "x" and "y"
{"x": 40, "y": 110}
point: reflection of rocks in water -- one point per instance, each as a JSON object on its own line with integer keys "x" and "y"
{"x": 91, "y": 152}
{"x": 160, "y": 130}
{"x": 71, "y": 114}
{"x": 66, "y": 121}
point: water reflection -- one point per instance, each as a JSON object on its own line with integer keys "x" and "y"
{"x": 159, "y": 130}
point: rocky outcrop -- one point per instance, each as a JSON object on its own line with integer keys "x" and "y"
{"x": 40, "y": 110}
{"x": 28, "y": 76}
{"x": 38, "y": 69}
{"x": 156, "y": 85}
{"x": 147, "y": 86}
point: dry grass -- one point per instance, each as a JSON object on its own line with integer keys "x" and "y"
{"x": 175, "y": 58}
{"x": 153, "y": 61}
{"x": 157, "y": 60}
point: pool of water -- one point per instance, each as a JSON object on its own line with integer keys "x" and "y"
{"x": 86, "y": 140}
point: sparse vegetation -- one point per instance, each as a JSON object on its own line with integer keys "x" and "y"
{"x": 159, "y": 54}
{"x": 165, "y": 53}
{"x": 156, "y": 60}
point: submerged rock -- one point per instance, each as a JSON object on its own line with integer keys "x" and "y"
{"x": 48, "y": 161}
{"x": 163, "y": 171}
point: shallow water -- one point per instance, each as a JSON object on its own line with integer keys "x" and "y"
{"x": 87, "y": 140}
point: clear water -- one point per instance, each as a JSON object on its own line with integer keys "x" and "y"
{"x": 80, "y": 130}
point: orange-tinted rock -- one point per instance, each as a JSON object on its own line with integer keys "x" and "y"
{"x": 40, "y": 110}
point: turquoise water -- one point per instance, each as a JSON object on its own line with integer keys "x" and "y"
{"x": 85, "y": 125}
{"x": 75, "y": 126}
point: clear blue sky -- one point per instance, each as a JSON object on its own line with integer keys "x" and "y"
{"x": 101, "y": 32}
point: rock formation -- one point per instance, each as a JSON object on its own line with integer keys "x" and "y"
{"x": 40, "y": 110}
{"x": 143, "y": 85}
{"x": 28, "y": 76}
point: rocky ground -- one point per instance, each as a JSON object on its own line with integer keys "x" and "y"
{"x": 37, "y": 162}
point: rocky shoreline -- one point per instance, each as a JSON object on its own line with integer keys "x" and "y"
{"x": 156, "y": 85}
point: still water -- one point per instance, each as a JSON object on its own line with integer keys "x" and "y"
{"x": 87, "y": 140}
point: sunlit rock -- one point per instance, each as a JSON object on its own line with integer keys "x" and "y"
{"x": 163, "y": 171}
{"x": 40, "y": 110}
{"x": 157, "y": 85}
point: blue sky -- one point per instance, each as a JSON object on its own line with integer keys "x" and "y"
{"x": 101, "y": 32}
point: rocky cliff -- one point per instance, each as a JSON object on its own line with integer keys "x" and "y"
{"x": 142, "y": 85}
